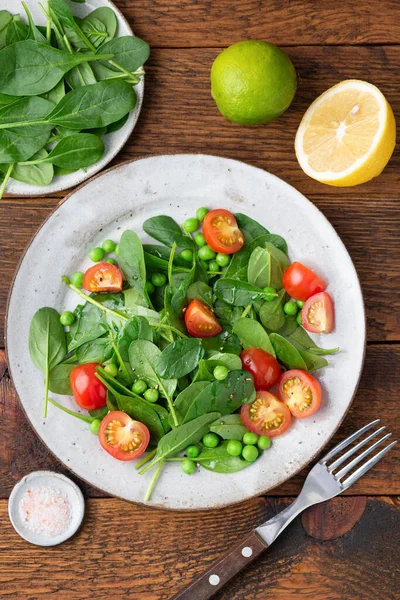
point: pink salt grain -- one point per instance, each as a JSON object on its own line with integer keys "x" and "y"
{"x": 45, "y": 510}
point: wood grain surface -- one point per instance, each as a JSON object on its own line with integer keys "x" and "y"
{"x": 347, "y": 549}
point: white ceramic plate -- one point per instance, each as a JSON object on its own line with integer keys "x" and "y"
{"x": 113, "y": 141}
{"x": 123, "y": 198}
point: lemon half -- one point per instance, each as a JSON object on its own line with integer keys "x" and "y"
{"x": 347, "y": 135}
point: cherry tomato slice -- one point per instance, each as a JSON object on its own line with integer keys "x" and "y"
{"x": 103, "y": 277}
{"x": 301, "y": 393}
{"x": 266, "y": 415}
{"x": 89, "y": 392}
{"x": 122, "y": 437}
{"x": 263, "y": 366}
{"x": 200, "y": 320}
{"x": 300, "y": 282}
{"x": 318, "y": 314}
{"x": 221, "y": 231}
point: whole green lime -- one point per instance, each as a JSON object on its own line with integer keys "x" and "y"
{"x": 253, "y": 82}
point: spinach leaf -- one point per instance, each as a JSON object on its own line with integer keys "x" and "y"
{"x": 253, "y": 335}
{"x": 229, "y": 427}
{"x": 176, "y": 320}
{"x": 137, "y": 328}
{"x": 61, "y": 12}
{"x": 313, "y": 361}
{"x": 237, "y": 268}
{"x": 100, "y": 413}
{"x": 5, "y": 20}
{"x": 227, "y": 314}
{"x": 4, "y": 98}
{"x": 98, "y": 351}
{"x": 181, "y": 282}
{"x": 302, "y": 341}
{"x": 249, "y": 227}
{"x": 272, "y": 315}
{"x": 40, "y": 174}
{"x": 131, "y": 262}
{"x": 226, "y": 341}
{"x": 167, "y": 231}
{"x": 289, "y": 326}
{"x": 157, "y": 258}
{"x": 237, "y": 293}
{"x": 128, "y": 51}
{"x": 40, "y": 67}
{"x": 201, "y": 291}
{"x": 179, "y": 358}
{"x": 223, "y": 396}
{"x": 107, "y": 17}
{"x": 89, "y": 325}
{"x": 56, "y": 94}
{"x": 33, "y": 31}
{"x": 76, "y": 151}
{"x": 17, "y": 31}
{"x": 47, "y": 343}
{"x": 134, "y": 309}
{"x": 278, "y": 241}
{"x": 278, "y": 255}
{"x": 204, "y": 372}
{"x": 94, "y": 29}
{"x": 287, "y": 353}
{"x": 143, "y": 358}
{"x": 264, "y": 270}
{"x": 59, "y": 382}
{"x": 231, "y": 361}
{"x": 80, "y": 76}
{"x": 117, "y": 124}
{"x": 186, "y": 397}
{"x": 219, "y": 461}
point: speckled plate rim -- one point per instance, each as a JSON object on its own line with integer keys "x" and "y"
{"x": 114, "y": 142}
{"x": 284, "y": 478}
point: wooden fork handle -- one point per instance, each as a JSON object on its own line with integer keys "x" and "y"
{"x": 223, "y": 570}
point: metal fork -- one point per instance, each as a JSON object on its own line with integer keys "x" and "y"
{"x": 325, "y": 480}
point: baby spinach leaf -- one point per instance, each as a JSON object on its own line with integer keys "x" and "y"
{"x": 302, "y": 341}
{"x": 229, "y": 427}
{"x": 40, "y": 174}
{"x": 5, "y": 20}
{"x": 98, "y": 351}
{"x": 128, "y": 51}
{"x": 47, "y": 343}
{"x": 5, "y": 98}
{"x": 219, "y": 461}
{"x": 176, "y": 320}
{"x": 179, "y": 358}
{"x": 61, "y": 12}
{"x": 288, "y": 327}
{"x": 143, "y": 357}
{"x": 131, "y": 262}
{"x": 272, "y": 315}
{"x": 100, "y": 413}
{"x": 287, "y": 353}
{"x": 249, "y": 227}
{"x": 237, "y": 268}
{"x": 201, "y": 291}
{"x": 117, "y": 124}
{"x": 59, "y": 382}
{"x": 167, "y": 231}
{"x": 313, "y": 361}
{"x": 17, "y": 31}
{"x": 157, "y": 258}
{"x": 74, "y": 152}
{"x": 107, "y": 17}
{"x": 223, "y": 396}
{"x": 278, "y": 241}
{"x": 89, "y": 325}
{"x": 204, "y": 372}
{"x": 33, "y": 32}
{"x": 321, "y": 351}
{"x": 80, "y": 76}
{"x": 237, "y": 293}
{"x": 185, "y": 398}
{"x": 264, "y": 270}
{"x": 181, "y": 282}
{"x": 231, "y": 361}
{"x": 56, "y": 94}
{"x": 94, "y": 29}
{"x": 227, "y": 314}
{"x": 253, "y": 335}
{"x": 137, "y": 328}
{"x": 278, "y": 255}
{"x": 226, "y": 341}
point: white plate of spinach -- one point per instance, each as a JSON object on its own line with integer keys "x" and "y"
{"x": 76, "y": 97}
{"x": 178, "y": 185}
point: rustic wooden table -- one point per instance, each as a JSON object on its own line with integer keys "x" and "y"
{"x": 345, "y": 550}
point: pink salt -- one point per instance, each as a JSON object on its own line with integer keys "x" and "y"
{"x": 45, "y": 510}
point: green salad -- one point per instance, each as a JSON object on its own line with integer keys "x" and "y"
{"x": 194, "y": 350}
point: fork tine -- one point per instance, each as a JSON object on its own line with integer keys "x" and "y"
{"x": 347, "y": 468}
{"x": 348, "y": 441}
{"x": 367, "y": 466}
{"x": 353, "y": 450}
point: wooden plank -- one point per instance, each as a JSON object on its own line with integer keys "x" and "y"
{"x": 151, "y": 554}
{"x": 22, "y": 452}
{"x": 189, "y": 23}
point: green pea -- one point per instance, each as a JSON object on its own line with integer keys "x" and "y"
{"x": 298, "y": 318}
{"x": 108, "y": 246}
{"x": 264, "y": 442}
{"x": 149, "y": 287}
{"x": 111, "y": 369}
{"x": 158, "y": 279}
{"x": 95, "y": 426}
{"x": 250, "y": 438}
{"x": 250, "y": 453}
{"x": 223, "y": 259}
{"x": 220, "y": 372}
{"x": 213, "y": 266}
{"x": 188, "y": 466}
{"x": 192, "y": 451}
{"x": 96, "y": 255}
{"x": 201, "y": 213}
{"x": 77, "y": 279}
{"x": 206, "y": 253}
{"x": 271, "y": 294}
{"x": 291, "y": 308}
{"x": 210, "y": 440}
{"x": 199, "y": 239}
{"x": 234, "y": 447}
{"x": 111, "y": 261}
{"x": 116, "y": 250}
{"x": 67, "y": 318}
{"x": 151, "y": 395}
{"x": 187, "y": 255}
{"x": 191, "y": 225}
{"x": 139, "y": 387}
{"x": 300, "y": 303}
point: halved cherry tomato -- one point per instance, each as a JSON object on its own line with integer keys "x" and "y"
{"x": 266, "y": 415}
{"x": 200, "y": 320}
{"x": 89, "y": 392}
{"x": 221, "y": 231}
{"x": 301, "y": 393}
{"x": 318, "y": 314}
{"x": 103, "y": 277}
{"x": 122, "y": 437}
{"x": 300, "y": 282}
{"x": 263, "y": 366}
